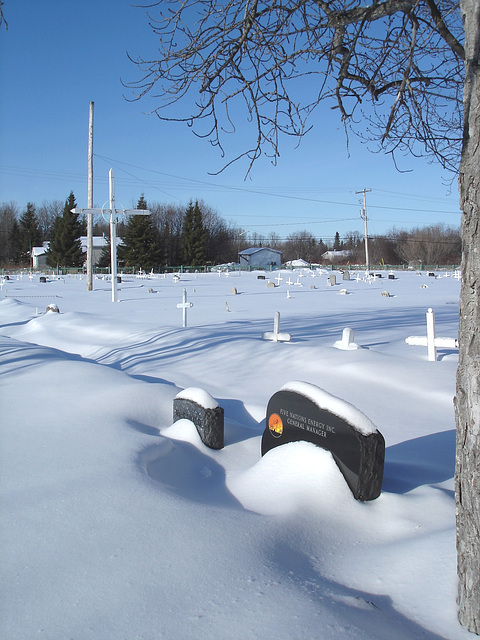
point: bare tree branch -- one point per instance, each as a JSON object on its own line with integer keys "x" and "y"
{"x": 2, "y": 15}
{"x": 273, "y": 63}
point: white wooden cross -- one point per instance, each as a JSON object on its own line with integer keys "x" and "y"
{"x": 347, "y": 342}
{"x": 276, "y": 336}
{"x": 278, "y": 279}
{"x": 115, "y": 214}
{"x": 430, "y": 341}
{"x": 184, "y": 305}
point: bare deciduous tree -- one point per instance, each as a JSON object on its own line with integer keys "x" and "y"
{"x": 46, "y": 215}
{"x": 401, "y": 69}
{"x": 433, "y": 245}
{"x": 302, "y": 244}
{"x": 277, "y": 61}
{"x": 2, "y": 17}
{"x": 467, "y": 405}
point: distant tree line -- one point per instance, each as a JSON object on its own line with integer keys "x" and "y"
{"x": 196, "y": 235}
{"x": 430, "y": 245}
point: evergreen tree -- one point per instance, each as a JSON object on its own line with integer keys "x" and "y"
{"x": 65, "y": 248}
{"x": 105, "y": 259}
{"x": 337, "y": 244}
{"x": 141, "y": 243}
{"x": 194, "y": 236}
{"x": 15, "y": 243}
{"x": 30, "y": 234}
{"x": 9, "y": 233}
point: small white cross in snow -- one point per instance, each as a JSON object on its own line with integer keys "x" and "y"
{"x": 430, "y": 341}
{"x": 184, "y": 305}
{"x": 276, "y": 336}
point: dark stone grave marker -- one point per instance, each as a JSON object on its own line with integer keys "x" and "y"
{"x": 302, "y": 411}
{"x": 43, "y": 279}
{"x": 199, "y": 407}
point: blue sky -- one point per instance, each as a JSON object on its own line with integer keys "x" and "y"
{"x": 59, "y": 55}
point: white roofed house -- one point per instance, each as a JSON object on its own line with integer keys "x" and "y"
{"x": 260, "y": 257}
{"x": 38, "y": 256}
{"x": 99, "y": 243}
{"x": 337, "y": 256}
{"x": 299, "y": 262}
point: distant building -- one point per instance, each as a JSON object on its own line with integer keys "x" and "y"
{"x": 38, "y": 256}
{"x": 99, "y": 242}
{"x": 260, "y": 257}
{"x": 300, "y": 262}
{"x": 336, "y": 256}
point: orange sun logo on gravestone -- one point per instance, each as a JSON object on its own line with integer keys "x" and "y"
{"x": 275, "y": 425}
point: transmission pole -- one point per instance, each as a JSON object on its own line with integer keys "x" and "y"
{"x": 90, "y": 202}
{"x": 363, "y": 215}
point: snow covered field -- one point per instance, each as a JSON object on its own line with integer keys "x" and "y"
{"x": 118, "y": 524}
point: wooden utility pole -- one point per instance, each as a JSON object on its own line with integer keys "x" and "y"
{"x": 363, "y": 215}
{"x": 90, "y": 202}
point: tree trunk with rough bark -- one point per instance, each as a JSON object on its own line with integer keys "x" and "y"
{"x": 467, "y": 407}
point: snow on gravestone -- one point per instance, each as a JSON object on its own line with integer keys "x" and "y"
{"x": 302, "y": 411}
{"x": 199, "y": 407}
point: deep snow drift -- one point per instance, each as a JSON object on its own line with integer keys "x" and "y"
{"x": 117, "y": 523}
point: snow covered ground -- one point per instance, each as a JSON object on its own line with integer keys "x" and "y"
{"x": 118, "y": 524}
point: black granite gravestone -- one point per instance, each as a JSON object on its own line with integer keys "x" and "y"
{"x": 358, "y": 452}
{"x": 209, "y": 421}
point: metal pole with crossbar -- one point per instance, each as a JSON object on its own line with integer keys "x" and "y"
{"x": 114, "y": 215}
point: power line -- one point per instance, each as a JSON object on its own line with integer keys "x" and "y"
{"x": 272, "y": 194}
{"x": 62, "y": 176}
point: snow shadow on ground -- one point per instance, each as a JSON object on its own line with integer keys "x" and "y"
{"x": 420, "y": 461}
{"x": 185, "y": 471}
{"x": 370, "y": 613}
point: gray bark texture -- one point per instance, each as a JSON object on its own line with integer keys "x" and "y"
{"x": 467, "y": 407}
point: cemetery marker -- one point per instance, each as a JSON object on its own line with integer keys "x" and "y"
{"x": 199, "y": 407}
{"x": 303, "y": 412}
{"x": 430, "y": 341}
{"x": 115, "y": 215}
{"x": 347, "y": 342}
{"x": 184, "y": 305}
{"x": 276, "y": 336}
